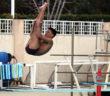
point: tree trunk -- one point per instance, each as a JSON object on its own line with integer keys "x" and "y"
{"x": 61, "y": 9}
{"x": 53, "y": 8}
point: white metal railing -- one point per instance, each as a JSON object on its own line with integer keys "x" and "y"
{"x": 66, "y": 27}
{"x": 5, "y": 26}
{"x": 63, "y": 27}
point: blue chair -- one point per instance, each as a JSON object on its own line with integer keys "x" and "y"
{"x": 4, "y": 57}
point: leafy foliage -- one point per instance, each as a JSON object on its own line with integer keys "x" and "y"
{"x": 78, "y": 7}
{"x": 70, "y": 17}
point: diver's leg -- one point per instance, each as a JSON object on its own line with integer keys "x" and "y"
{"x": 38, "y": 21}
{"x": 36, "y": 31}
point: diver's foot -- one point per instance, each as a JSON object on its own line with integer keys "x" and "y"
{"x": 43, "y": 6}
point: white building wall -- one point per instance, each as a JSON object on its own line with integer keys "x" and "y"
{"x": 6, "y": 43}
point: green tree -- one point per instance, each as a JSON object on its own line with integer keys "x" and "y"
{"x": 71, "y": 6}
{"x": 5, "y": 6}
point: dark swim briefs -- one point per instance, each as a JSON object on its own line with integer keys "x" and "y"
{"x": 31, "y": 51}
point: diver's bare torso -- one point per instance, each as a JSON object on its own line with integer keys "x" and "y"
{"x": 44, "y": 47}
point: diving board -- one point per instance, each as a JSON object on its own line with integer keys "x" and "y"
{"x": 68, "y": 63}
{"x": 83, "y": 62}
{"x": 90, "y": 57}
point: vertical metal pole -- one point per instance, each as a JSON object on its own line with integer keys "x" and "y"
{"x": 72, "y": 63}
{"x": 13, "y": 8}
{"x": 72, "y": 57}
{"x": 96, "y": 41}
